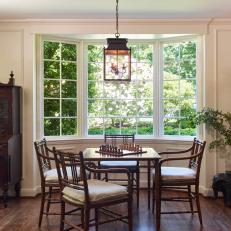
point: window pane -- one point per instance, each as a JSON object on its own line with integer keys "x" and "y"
{"x": 68, "y": 70}
{"x": 51, "y": 50}
{"x": 120, "y": 100}
{"x": 69, "y": 126}
{"x": 95, "y": 126}
{"x": 69, "y": 52}
{"x": 145, "y": 107}
{"x": 69, "y": 89}
{"x": 95, "y": 53}
{"x": 95, "y": 108}
{"x": 51, "y": 69}
{"x": 112, "y": 107}
{"x": 145, "y": 126}
{"x": 95, "y": 71}
{"x": 52, "y": 88}
{"x": 171, "y": 89}
{"x": 128, "y": 126}
{"x": 112, "y": 126}
{"x": 187, "y": 128}
{"x": 187, "y": 88}
{"x": 171, "y": 126}
{"x": 129, "y": 108}
{"x": 171, "y": 107}
{"x": 60, "y": 96}
{"x": 51, "y": 127}
{"x": 51, "y": 108}
{"x": 180, "y": 93}
{"x": 69, "y": 107}
{"x": 144, "y": 89}
{"x": 95, "y": 89}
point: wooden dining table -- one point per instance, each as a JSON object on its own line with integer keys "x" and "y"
{"x": 149, "y": 155}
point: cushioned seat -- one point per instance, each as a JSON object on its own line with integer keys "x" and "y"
{"x": 177, "y": 173}
{"x": 98, "y": 191}
{"x": 52, "y": 176}
{"x": 130, "y": 165}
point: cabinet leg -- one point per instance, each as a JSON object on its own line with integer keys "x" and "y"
{"x": 17, "y": 189}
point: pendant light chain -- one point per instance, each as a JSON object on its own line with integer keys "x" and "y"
{"x": 117, "y": 35}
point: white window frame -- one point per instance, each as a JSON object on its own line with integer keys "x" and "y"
{"x": 82, "y": 90}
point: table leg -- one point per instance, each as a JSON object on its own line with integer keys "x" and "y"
{"x": 149, "y": 179}
{"x": 157, "y": 195}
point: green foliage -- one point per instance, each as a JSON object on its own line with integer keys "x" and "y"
{"x": 218, "y": 121}
{"x": 56, "y": 53}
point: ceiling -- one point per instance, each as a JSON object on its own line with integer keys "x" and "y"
{"x": 100, "y": 9}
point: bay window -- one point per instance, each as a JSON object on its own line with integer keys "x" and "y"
{"x": 157, "y": 102}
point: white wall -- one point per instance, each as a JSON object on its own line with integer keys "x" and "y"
{"x": 17, "y": 54}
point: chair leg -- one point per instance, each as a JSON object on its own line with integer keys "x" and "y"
{"x": 130, "y": 222}
{"x": 198, "y": 203}
{"x": 132, "y": 182}
{"x": 158, "y": 208}
{"x": 49, "y": 199}
{"x": 190, "y": 199}
{"x": 82, "y": 217}
{"x": 86, "y": 219}
{"x": 42, "y": 205}
{"x": 138, "y": 189}
{"x": 62, "y": 216}
{"x": 96, "y": 219}
{"x": 153, "y": 196}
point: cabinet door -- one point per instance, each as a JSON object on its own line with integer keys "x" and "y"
{"x": 5, "y": 112}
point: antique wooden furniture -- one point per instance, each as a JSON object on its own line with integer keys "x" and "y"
{"x": 10, "y": 138}
{"x": 180, "y": 178}
{"x": 132, "y": 166}
{"x": 48, "y": 175}
{"x": 49, "y": 178}
{"x": 151, "y": 157}
{"x": 89, "y": 194}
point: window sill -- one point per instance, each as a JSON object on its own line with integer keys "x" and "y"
{"x": 100, "y": 140}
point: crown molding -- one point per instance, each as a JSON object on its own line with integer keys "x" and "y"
{"x": 98, "y": 21}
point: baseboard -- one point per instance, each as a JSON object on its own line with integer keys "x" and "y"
{"x": 30, "y": 192}
{"x": 207, "y": 192}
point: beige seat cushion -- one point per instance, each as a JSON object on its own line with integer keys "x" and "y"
{"x": 52, "y": 176}
{"x": 98, "y": 191}
{"x": 177, "y": 173}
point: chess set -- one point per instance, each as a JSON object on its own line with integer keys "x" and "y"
{"x": 122, "y": 150}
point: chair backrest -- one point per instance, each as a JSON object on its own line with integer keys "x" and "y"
{"x": 71, "y": 171}
{"x": 198, "y": 150}
{"x": 114, "y": 139}
{"x": 44, "y": 157}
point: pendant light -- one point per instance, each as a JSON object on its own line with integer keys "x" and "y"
{"x": 117, "y": 57}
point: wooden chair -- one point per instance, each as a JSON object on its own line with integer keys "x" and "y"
{"x": 132, "y": 166}
{"x": 181, "y": 177}
{"x": 49, "y": 178}
{"x": 48, "y": 175}
{"x": 90, "y": 194}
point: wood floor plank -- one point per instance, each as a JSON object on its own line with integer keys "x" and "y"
{"x": 22, "y": 215}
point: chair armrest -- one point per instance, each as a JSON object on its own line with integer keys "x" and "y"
{"x": 69, "y": 183}
{"x": 175, "y": 152}
{"x": 179, "y": 158}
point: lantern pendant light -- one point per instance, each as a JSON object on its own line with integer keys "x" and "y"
{"x": 117, "y": 57}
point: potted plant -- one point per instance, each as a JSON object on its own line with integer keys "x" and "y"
{"x": 219, "y": 122}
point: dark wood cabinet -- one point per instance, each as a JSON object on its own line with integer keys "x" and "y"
{"x": 10, "y": 139}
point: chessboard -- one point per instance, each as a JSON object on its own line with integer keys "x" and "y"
{"x": 122, "y": 150}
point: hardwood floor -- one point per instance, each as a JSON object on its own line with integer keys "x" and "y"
{"x": 22, "y": 215}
